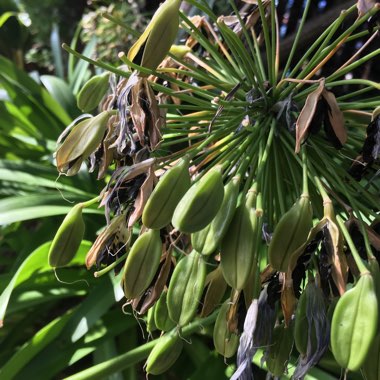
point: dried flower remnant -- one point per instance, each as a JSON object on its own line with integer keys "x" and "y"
{"x": 321, "y": 107}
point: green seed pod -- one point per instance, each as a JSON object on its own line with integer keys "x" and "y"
{"x": 225, "y": 342}
{"x": 354, "y": 324}
{"x": 290, "y": 233}
{"x": 179, "y": 51}
{"x": 280, "y": 350}
{"x": 161, "y": 315}
{"x": 164, "y": 354}
{"x": 237, "y": 250}
{"x": 150, "y": 323}
{"x": 170, "y": 189}
{"x": 200, "y": 204}
{"x": 185, "y": 288}
{"x": 93, "y": 92}
{"x": 81, "y": 142}
{"x": 142, "y": 264}
{"x": 68, "y": 238}
{"x": 207, "y": 240}
{"x": 154, "y": 44}
{"x": 371, "y": 365}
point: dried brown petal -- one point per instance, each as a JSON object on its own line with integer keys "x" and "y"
{"x": 153, "y": 293}
{"x": 335, "y": 117}
{"x": 146, "y": 116}
{"x": 142, "y": 197}
{"x": 216, "y": 287}
{"x": 306, "y": 115}
{"x": 115, "y": 236}
{"x": 288, "y": 299}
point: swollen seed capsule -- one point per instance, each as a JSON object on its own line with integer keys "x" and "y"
{"x": 354, "y": 324}
{"x": 207, "y": 240}
{"x": 280, "y": 350}
{"x": 81, "y": 143}
{"x": 290, "y": 233}
{"x": 185, "y": 288}
{"x": 164, "y": 354}
{"x": 161, "y": 315}
{"x": 200, "y": 204}
{"x": 170, "y": 189}
{"x": 68, "y": 238}
{"x": 142, "y": 263}
{"x": 225, "y": 342}
{"x": 92, "y": 92}
{"x": 154, "y": 44}
{"x": 237, "y": 249}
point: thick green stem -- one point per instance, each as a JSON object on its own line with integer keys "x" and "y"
{"x": 91, "y": 201}
{"x": 107, "y": 368}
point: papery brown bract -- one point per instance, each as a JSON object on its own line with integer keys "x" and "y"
{"x": 306, "y": 115}
{"x": 334, "y": 121}
{"x": 288, "y": 299}
{"x": 152, "y": 294}
{"x": 146, "y": 116}
{"x": 112, "y": 242}
{"x": 215, "y": 287}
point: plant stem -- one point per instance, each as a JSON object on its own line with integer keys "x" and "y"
{"x": 91, "y": 201}
{"x": 359, "y": 262}
{"x": 107, "y": 368}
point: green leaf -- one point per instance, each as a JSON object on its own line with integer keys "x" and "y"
{"x": 81, "y": 72}
{"x": 28, "y": 213}
{"x": 30, "y": 179}
{"x": 26, "y": 92}
{"x": 39, "y": 341}
{"x": 49, "y": 363}
{"x": 37, "y": 260}
{"x": 62, "y": 93}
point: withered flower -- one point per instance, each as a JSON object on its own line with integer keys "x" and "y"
{"x": 318, "y": 331}
{"x": 333, "y": 243}
{"x": 321, "y": 107}
{"x": 128, "y": 190}
{"x": 112, "y": 243}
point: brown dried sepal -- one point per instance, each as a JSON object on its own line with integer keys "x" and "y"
{"x": 288, "y": 299}
{"x": 306, "y": 115}
{"x": 154, "y": 291}
{"x": 112, "y": 241}
{"x": 216, "y": 287}
{"x": 324, "y": 102}
{"x": 146, "y": 116}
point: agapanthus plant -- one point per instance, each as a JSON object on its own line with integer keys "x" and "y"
{"x": 252, "y": 185}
